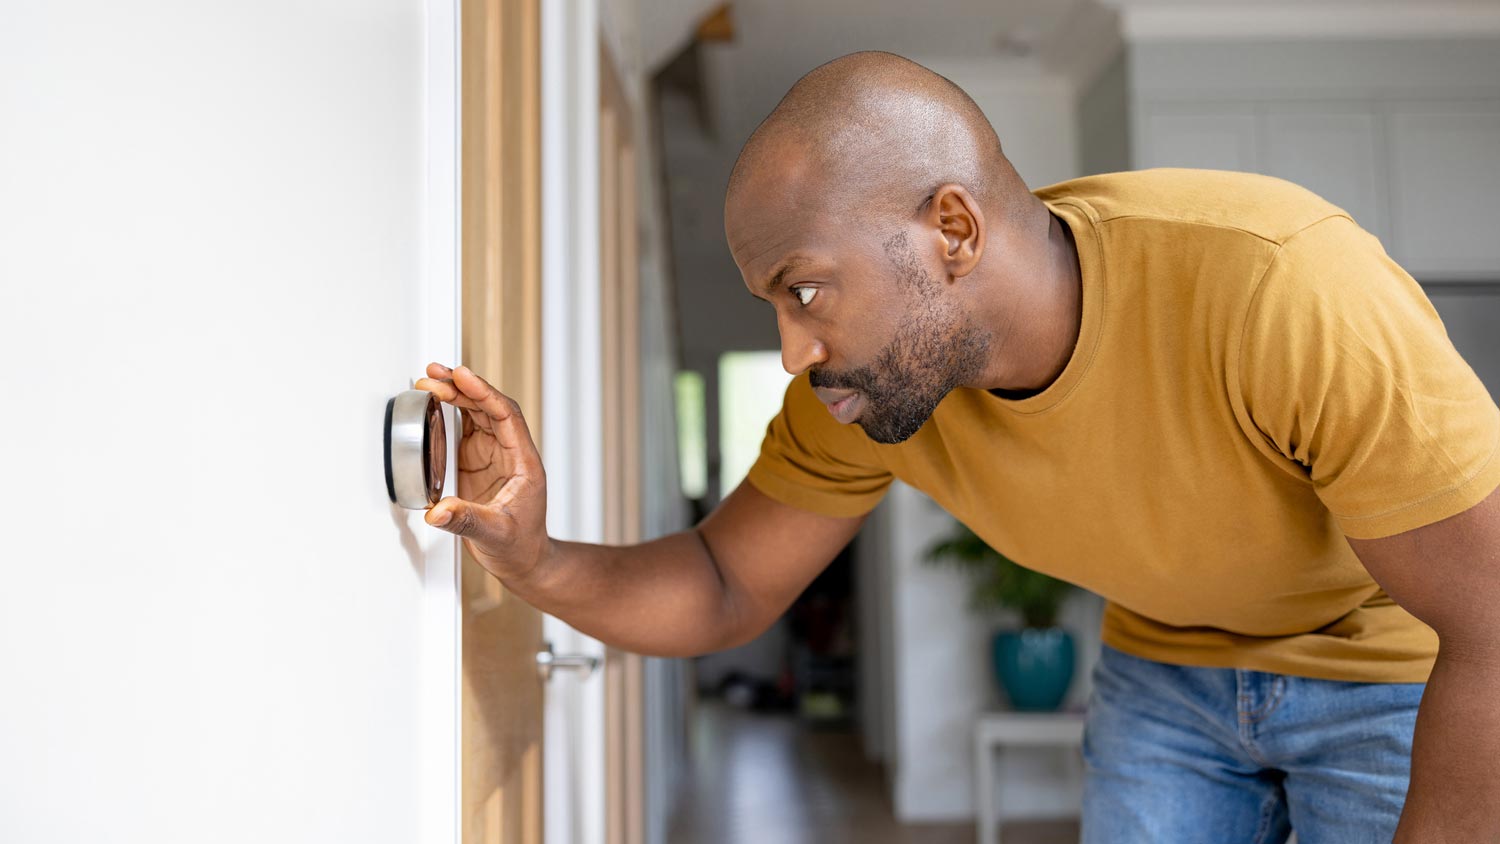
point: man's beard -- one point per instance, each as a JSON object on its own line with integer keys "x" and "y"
{"x": 935, "y": 349}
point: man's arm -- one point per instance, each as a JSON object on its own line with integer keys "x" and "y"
{"x": 718, "y": 585}
{"x": 712, "y": 587}
{"x": 1448, "y": 575}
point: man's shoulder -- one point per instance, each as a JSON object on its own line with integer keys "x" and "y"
{"x": 1265, "y": 207}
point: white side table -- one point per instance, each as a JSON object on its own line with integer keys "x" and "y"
{"x": 997, "y": 730}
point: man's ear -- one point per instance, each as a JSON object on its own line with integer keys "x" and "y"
{"x": 958, "y": 225}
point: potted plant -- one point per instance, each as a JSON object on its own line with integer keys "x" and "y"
{"x": 1034, "y": 665}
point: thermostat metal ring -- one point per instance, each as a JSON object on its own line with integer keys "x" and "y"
{"x": 416, "y": 449}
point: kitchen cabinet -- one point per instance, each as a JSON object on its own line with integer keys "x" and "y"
{"x": 1404, "y": 135}
{"x": 1444, "y": 163}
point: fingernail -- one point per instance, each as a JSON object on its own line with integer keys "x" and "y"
{"x": 441, "y": 518}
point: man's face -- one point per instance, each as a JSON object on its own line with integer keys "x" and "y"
{"x": 883, "y": 338}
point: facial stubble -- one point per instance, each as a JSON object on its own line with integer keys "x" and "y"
{"x": 935, "y": 349}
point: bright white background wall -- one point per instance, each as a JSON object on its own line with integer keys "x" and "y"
{"x": 214, "y": 273}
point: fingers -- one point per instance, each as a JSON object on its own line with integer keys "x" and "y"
{"x": 474, "y": 393}
{"x": 489, "y": 399}
{"x": 501, "y": 415}
{"x": 509, "y": 425}
{"x": 439, "y": 382}
{"x": 446, "y": 392}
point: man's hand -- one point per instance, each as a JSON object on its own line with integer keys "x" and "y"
{"x": 501, "y": 506}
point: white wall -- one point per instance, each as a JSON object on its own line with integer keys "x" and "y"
{"x": 212, "y": 265}
{"x": 1032, "y": 112}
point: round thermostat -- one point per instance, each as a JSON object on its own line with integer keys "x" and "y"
{"x": 416, "y": 449}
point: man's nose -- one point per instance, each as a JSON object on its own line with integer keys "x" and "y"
{"x": 799, "y": 348}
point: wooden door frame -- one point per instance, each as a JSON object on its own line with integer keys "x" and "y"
{"x": 500, "y": 244}
{"x": 619, "y": 278}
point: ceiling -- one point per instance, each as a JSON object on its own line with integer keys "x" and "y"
{"x": 776, "y": 41}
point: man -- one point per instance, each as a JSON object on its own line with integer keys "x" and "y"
{"x": 1209, "y": 397}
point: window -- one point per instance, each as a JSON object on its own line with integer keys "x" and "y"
{"x": 751, "y": 387}
{"x": 692, "y": 432}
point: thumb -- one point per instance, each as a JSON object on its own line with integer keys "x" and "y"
{"x": 456, "y": 516}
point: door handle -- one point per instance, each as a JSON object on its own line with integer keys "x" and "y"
{"x": 547, "y": 662}
{"x": 416, "y": 449}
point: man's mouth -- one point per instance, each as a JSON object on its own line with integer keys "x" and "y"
{"x": 847, "y": 409}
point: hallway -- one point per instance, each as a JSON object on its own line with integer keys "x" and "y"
{"x": 769, "y": 779}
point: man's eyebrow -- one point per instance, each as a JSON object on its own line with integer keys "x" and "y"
{"x": 778, "y": 276}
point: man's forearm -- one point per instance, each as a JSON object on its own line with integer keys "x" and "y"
{"x": 660, "y": 598}
{"x": 1455, "y": 774}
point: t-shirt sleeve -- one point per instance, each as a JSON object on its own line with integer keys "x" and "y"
{"x": 811, "y": 461}
{"x": 1346, "y": 373}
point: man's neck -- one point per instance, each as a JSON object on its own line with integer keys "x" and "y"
{"x": 1044, "y": 329}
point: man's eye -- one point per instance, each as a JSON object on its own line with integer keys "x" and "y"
{"x": 805, "y": 294}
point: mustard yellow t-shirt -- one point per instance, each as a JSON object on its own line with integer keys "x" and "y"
{"x": 1254, "y": 380}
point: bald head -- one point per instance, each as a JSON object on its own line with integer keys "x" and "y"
{"x": 878, "y": 133}
{"x": 860, "y": 209}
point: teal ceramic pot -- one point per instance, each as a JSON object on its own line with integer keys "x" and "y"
{"x": 1034, "y": 667}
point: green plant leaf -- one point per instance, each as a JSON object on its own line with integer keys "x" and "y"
{"x": 999, "y": 582}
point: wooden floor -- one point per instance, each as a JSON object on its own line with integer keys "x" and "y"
{"x": 767, "y": 779}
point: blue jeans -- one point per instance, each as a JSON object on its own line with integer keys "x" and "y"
{"x": 1183, "y": 755}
